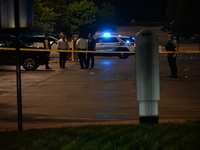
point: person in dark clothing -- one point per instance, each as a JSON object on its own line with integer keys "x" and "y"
{"x": 47, "y": 45}
{"x": 172, "y": 48}
{"x": 91, "y": 47}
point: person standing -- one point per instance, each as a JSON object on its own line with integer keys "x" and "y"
{"x": 63, "y": 45}
{"x": 81, "y": 44}
{"x": 91, "y": 47}
{"x": 172, "y": 47}
{"x": 47, "y": 45}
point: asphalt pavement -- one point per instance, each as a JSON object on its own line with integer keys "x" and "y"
{"x": 103, "y": 95}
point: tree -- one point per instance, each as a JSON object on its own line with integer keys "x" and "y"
{"x": 44, "y": 17}
{"x": 81, "y": 16}
{"x": 106, "y": 14}
{"x": 60, "y": 8}
{"x": 69, "y": 16}
{"x": 185, "y": 15}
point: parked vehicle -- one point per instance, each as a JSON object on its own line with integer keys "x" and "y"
{"x": 112, "y": 43}
{"x": 30, "y": 60}
{"x": 38, "y": 41}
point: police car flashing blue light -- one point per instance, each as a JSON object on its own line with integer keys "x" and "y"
{"x": 110, "y": 43}
{"x": 106, "y": 34}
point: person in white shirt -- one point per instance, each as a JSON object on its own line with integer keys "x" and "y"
{"x": 81, "y": 44}
{"x": 63, "y": 45}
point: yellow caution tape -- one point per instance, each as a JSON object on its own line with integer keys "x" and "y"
{"x": 86, "y": 51}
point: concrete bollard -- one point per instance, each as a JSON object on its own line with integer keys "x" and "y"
{"x": 147, "y": 76}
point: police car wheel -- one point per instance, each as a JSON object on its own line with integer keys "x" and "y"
{"x": 30, "y": 63}
{"x": 123, "y": 56}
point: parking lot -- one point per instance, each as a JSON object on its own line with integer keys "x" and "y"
{"x": 105, "y": 94}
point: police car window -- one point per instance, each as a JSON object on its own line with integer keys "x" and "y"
{"x": 127, "y": 39}
{"x": 99, "y": 40}
{"x": 109, "y": 39}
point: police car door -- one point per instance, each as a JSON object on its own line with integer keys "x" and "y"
{"x": 107, "y": 44}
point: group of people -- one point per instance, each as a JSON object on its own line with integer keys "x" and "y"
{"x": 82, "y": 44}
{"x": 62, "y": 45}
{"x": 89, "y": 44}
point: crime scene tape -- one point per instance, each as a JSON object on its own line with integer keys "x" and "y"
{"x": 86, "y": 51}
{"x": 73, "y": 51}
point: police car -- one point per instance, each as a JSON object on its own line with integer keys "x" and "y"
{"x": 108, "y": 44}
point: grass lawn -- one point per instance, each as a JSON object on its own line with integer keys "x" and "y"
{"x": 167, "y": 136}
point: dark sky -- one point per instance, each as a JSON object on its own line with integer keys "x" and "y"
{"x": 139, "y": 10}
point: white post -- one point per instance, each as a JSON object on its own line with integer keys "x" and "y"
{"x": 147, "y": 76}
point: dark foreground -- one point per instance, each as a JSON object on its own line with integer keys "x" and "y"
{"x": 117, "y": 137}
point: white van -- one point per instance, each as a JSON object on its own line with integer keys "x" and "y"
{"x": 38, "y": 41}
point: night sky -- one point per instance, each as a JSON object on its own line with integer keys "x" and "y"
{"x": 139, "y": 10}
